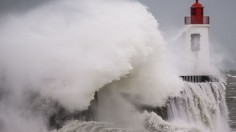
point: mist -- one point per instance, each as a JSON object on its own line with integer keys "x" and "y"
{"x": 63, "y": 52}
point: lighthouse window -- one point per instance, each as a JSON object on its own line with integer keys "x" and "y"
{"x": 202, "y": 11}
{"x": 193, "y": 11}
{"x": 195, "y": 42}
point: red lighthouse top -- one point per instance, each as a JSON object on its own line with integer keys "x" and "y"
{"x": 197, "y": 15}
{"x": 197, "y": 5}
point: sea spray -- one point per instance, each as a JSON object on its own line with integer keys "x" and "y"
{"x": 152, "y": 123}
{"x": 202, "y": 105}
{"x": 65, "y": 51}
{"x": 78, "y": 126}
{"x": 200, "y": 108}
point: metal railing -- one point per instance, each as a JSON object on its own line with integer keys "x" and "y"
{"x": 199, "y": 78}
{"x": 192, "y": 20}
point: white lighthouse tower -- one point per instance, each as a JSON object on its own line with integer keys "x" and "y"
{"x": 197, "y": 46}
{"x": 197, "y": 39}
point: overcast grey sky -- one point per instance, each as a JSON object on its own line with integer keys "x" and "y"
{"x": 170, "y": 14}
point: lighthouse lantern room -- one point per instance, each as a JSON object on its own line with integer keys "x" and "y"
{"x": 197, "y": 38}
{"x": 197, "y": 15}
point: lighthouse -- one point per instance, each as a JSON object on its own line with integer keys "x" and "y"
{"x": 197, "y": 44}
{"x": 197, "y": 37}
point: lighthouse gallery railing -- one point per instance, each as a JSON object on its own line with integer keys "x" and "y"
{"x": 190, "y": 20}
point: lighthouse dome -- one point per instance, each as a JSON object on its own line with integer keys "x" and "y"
{"x": 197, "y": 5}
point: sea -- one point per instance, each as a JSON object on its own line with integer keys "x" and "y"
{"x": 231, "y": 98}
{"x": 201, "y": 107}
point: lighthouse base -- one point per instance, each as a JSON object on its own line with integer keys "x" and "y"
{"x": 199, "y": 78}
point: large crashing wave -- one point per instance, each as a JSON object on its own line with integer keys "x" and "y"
{"x": 200, "y": 108}
{"x": 65, "y": 51}
{"x": 202, "y": 105}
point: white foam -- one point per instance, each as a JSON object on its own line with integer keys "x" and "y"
{"x": 67, "y": 50}
{"x": 203, "y": 105}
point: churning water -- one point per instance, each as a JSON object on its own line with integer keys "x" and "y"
{"x": 231, "y": 98}
{"x": 201, "y": 107}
